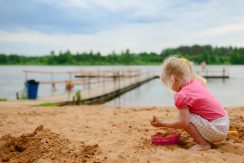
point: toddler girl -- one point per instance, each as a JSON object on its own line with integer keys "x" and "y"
{"x": 200, "y": 114}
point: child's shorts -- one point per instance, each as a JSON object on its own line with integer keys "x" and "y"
{"x": 212, "y": 131}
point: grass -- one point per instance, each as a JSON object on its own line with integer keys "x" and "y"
{"x": 49, "y": 104}
{"x": 3, "y": 99}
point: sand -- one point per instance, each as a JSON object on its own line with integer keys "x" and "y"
{"x": 102, "y": 134}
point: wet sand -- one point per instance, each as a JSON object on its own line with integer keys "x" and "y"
{"x": 102, "y": 134}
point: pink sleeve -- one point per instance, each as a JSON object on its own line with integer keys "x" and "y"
{"x": 182, "y": 100}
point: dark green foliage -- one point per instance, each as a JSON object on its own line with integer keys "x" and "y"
{"x": 196, "y": 53}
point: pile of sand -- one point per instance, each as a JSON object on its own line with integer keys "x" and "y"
{"x": 44, "y": 145}
{"x": 185, "y": 140}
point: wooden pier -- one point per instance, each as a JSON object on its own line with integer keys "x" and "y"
{"x": 214, "y": 73}
{"x": 98, "y": 86}
{"x": 115, "y": 93}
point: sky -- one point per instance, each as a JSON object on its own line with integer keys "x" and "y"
{"x": 36, "y": 27}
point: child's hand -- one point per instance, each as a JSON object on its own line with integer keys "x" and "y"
{"x": 155, "y": 122}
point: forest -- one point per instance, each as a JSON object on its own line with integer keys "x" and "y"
{"x": 195, "y": 53}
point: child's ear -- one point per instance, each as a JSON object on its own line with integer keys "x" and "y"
{"x": 172, "y": 79}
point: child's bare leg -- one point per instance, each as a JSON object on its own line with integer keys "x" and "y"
{"x": 202, "y": 144}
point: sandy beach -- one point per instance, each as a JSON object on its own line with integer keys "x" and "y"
{"x": 102, "y": 134}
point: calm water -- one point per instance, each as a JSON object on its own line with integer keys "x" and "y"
{"x": 228, "y": 91}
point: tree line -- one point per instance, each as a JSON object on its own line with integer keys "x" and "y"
{"x": 195, "y": 53}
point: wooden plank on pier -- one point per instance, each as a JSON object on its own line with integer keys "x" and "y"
{"x": 216, "y": 76}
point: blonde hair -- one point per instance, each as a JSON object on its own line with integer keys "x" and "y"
{"x": 179, "y": 67}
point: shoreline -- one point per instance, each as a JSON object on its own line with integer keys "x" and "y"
{"x": 39, "y": 102}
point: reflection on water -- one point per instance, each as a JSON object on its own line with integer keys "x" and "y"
{"x": 228, "y": 91}
{"x": 150, "y": 94}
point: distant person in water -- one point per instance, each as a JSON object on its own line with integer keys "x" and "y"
{"x": 200, "y": 114}
{"x": 203, "y": 66}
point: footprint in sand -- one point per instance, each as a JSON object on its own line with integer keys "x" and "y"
{"x": 3, "y": 117}
{"x": 11, "y": 122}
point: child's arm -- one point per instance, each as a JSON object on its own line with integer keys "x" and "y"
{"x": 181, "y": 122}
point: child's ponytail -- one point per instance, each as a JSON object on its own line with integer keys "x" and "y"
{"x": 200, "y": 79}
{"x": 194, "y": 74}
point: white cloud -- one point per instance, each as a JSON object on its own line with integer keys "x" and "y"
{"x": 177, "y": 24}
{"x": 229, "y": 29}
{"x": 139, "y": 37}
{"x": 136, "y": 37}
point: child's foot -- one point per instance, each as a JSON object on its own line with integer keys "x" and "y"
{"x": 200, "y": 147}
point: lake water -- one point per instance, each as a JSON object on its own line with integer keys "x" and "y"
{"x": 229, "y": 91}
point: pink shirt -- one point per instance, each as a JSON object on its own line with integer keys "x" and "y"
{"x": 199, "y": 101}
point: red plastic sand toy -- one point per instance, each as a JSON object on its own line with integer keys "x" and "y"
{"x": 158, "y": 139}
